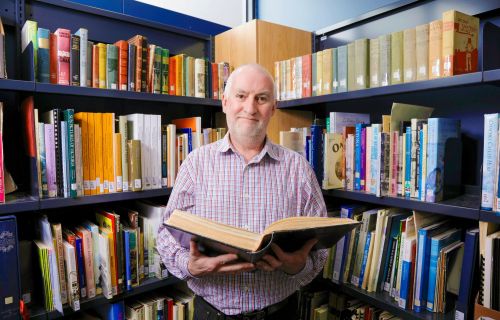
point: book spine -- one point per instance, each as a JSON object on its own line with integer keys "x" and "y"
{"x": 102, "y": 65}
{"x": 65, "y": 162}
{"x": 42, "y": 157}
{"x": 43, "y": 55}
{"x": 306, "y": 76}
{"x": 165, "y": 54}
{"x": 63, "y": 38}
{"x": 435, "y": 49}
{"x": 420, "y": 285}
{"x": 90, "y": 63}
{"x": 78, "y": 160}
{"x": 375, "y": 159}
{"x": 351, "y": 66}
{"x": 134, "y": 259}
{"x": 72, "y": 276}
{"x": 69, "y": 118}
{"x": 374, "y": 63}
{"x": 53, "y": 59}
{"x": 144, "y": 64}
{"x": 358, "y": 155}
{"x": 397, "y": 57}
{"x": 122, "y": 64}
{"x": 128, "y": 274}
{"x": 75, "y": 60}
{"x": 384, "y": 60}
{"x": 81, "y": 268}
{"x": 490, "y": 161}
{"x": 105, "y": 265}
{"x": 366, "y": 252}
{"x": 111, "y": 67}
{"x": 409, "y": 55}
{"x": 157, "y": 64}
{"x": 59, "y": 249}
{"x": 361, "y": 65}
{"x": 88, "y": 256}
{"x": 84, "y": 54}
{"x": 407, "y": 180}
{"x": 422, "y": 51}
{"x": 131, "y": 76}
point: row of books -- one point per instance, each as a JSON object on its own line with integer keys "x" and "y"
{"x": 108, "y": 255}
{"x": 87, "y": 153}
{"x": 441, "y": 48}
{"x": 423, "y": 261}
{"x": 134, "y": 65}
{"x": 490, "y": 197}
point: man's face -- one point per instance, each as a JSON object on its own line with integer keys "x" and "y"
{"x": 249, "y": 104}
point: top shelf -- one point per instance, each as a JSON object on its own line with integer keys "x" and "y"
{"x": 464, "y": 80}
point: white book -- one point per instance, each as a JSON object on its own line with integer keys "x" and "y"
{"x": 199, "y": 75}
{"x": 171, "y": 154}
{"x": 490, "y": 161}
{"x": 94, "y": 230}
{"x": 339, "y": 120}
{"x": 298, "y": 77}
{"x": 78, "y": 160}
{"x": 105, "y": 266}
{"x": 83, "y": 34}
{"x": 71, "y": 276}
{"x": 65, "y": 161}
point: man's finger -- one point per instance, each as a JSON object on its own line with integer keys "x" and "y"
{"x": 236, "y": 267}
{"x": 226, "y": 258}
{"x": 193, "y": 248}
{"x": 272, "y": 261}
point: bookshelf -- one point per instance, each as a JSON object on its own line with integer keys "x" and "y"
{"x": 107, "y": 27}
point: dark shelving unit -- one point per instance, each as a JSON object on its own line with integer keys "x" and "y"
{"x": 464, "y": 206}
{"x": 491, "y": 76}
{"x": 38, "y": 312}
{"x": 383, "y": 301}
{"x": 489, "y": 216}
{"x": 18, "y": 202}
{"x": 47, "y": 88}
{"x": 17, "y": 85}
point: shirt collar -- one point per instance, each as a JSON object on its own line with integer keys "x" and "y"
{"x": 269, "y": 148}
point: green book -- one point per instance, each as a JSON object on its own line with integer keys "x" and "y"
{"x": 111, "y": 67}
{"x": 68, "y": 116}
{"x": 157, "y": 62}
{"x": 164, "y": 70}
{"x": 361, "y": 65}
{"x": 397, "y": 57}
{"x": 351, "y": 69}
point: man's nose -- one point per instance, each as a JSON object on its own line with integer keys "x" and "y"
{"x": 250, "y": 105}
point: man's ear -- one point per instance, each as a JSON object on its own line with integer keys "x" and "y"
{"x": 224, "y": 103}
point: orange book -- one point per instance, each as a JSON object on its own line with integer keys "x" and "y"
{"x": 171, "y": 76}
{"x": 109, "y": 119}
{"x": 180, "y": 88}
{"x": 137, "y": 41}
{"x": 98, "y": 145}
{"x": 306, "y": 75}
{"x": 95, "y": 66}
{"x": 91, "y": 152}
{"x": 117, "y": 160}
{"x": 435, "y": 49}
{"x": 460, "y": 39}
{"x": 53, "y": 58}
{"x": 215, "y": 81}
{"x": 82, "y": 120}
{"x": 122, "y": 64}
{"x": 194, "y": 123}
{"x": 105, "y": 150}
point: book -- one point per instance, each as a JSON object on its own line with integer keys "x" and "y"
{"x": 43, "y": 56}
{"x": 82, "y": 33}
{"x": 9, "y": 268}
{"x": 3, "y": 61}
{"x": 397, "y": 57}
{"x": 74, "y": 61}
{"x": 469, "y": 267}
{"x": 435, "y": 49}
{"x": 422, "y": 51}
{"x": 289, "y": 233}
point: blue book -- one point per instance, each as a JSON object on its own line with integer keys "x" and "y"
{"x": 489, "y": 160}
{"x": 422, "y": 263}
{"x": 308, "y": 149}
{"x": 43, "y": 52}
{"x": 10, "y": 288}
{"x": 112, "y": 311}
{"x": 406, "y": 274}
{"x": 189, "y": 133}
{"x": 365, "y": 258}
{"x": 464, "y": 304}
{"x": 316, "y": 150}
{"x": 443, "y": 139}
{"x": 375, "y": 159}
{"x": 407, "y": 184}
{"x": 81, "y": 267}
{"x": 359, "y": 156}
{"x": 438, "y": 242}
{"x": 126, "y": 247}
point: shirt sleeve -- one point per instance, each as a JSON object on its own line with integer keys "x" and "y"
{"x": 312, "y": 204}
{"x": 174, "y": 256}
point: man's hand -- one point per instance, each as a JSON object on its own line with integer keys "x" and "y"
{"x": 288, "y": 262}
{"x": 200, "y": 265}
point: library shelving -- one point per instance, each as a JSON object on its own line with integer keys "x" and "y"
{"x": 107, "y": 27}
{"x": 38, "y": 313}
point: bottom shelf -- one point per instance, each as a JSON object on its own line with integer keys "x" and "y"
{"x": 39, "y": 313}
{"x": 386, "y": 302}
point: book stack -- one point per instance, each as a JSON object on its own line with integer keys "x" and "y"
{"x": 134, "y": 64}
{"x": 441, "y": 48}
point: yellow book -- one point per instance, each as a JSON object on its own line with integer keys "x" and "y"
{"x": 351, "y": 67}
{"x": 105, "y": 150}
{"x": 361, "y": 67}
{"x": 384, "y": 68}
{"x": 91, "y": 154}
{"x": 422, "y": 49}
{"x": 180, "y": 87}
{"x": 327, "y": 71}
{"x": 319, "y": 73}
{"x": 374, "y": 63}
{"x": 117, "y": 159}
{"x": 460, "y": 40}
{"x": 81, "y": 119}
{"x": 386, "y": 123}
{"x": 102, "y": 65}
{"x": 98, "y": 149}
{"x": 105, "y": 229}
{"x": 397, "y": 57}
{"x": 435, "y": 49}
{"x": 134, "y": 164}
{"x": 409, "y": 55}
{"x": 334, "y": 151}
{"x": 109, "y": 119}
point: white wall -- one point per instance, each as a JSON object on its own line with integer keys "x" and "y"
{"x": 230, "y": 13}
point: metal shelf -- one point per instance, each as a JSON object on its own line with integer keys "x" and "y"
{"x": 491, "y": 75}
{"x": 489, "y": 216}
{"x": 17, "y": 85}
{"x": 18, "y": 202}
{"x": 38, "y": 313}
{"x": 464, "y": 206}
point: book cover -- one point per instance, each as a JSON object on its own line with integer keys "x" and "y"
{"x": 333, "y": 153}
{"x": 342, "y": 62}
{"x": 29, "y": 35}
{"x": 435, "y": 49}
{"x": 290, "y": 234}
{"x": 71, "y": 276}
{"x": 111, "y": 67}
{"x": 28, "y": 111}
{"x": 165, "y": 54}
{"x": 374, "y": 62}
{"x": 43, "y": 55}
{"x": 9, "y": 269}
{"x": 298, "y": 76}
{"x": 340, "y": 120}
{"x": 351, "y": 66}
{"x": 306, "y": 76}
{"x": 460, "y": 43}
{"x": 409, "y": 55}
{"x": 327, "y": 75}
{"x": 90, "y": 63}
{"x": 422, "y": 51}
{"x": 95, "y": 66}
{"x": 319, "y": 74}
{"x": 74, "y": 62}
{"x": 361, "y": 64}
{"x": 63, "y": 45}
{"x": 134, "y": 165}
{"x": 131, "y": 67}
{"x": 490, "y": 161}
{"x": 384, "y": 60}
{"x": 122, "y": 64}
{"x": 68, "y": 116}
{"x": 137, "y": 41}
{"x": 397, "y": 57}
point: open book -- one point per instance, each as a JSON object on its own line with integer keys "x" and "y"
{"x": 289, "y": 233}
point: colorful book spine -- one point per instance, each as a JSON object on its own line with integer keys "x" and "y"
{"x": 111, "y": 67}
{"x": 375, "y": 159}
{"x": 72, "y": 276}
{"x": 490, "y": 161}
{"x": 74, "y": 63}
{"x": 43, "y": 55}
{"x": 82, "y": 33}
{"x": 132, "y": 51}
{"x": 122, "y": 64}
{"x": 68, "y": 115}
{"x": 63, "y": 39}
{"x": 165, "y": 54}
{"x": 407, "y": 180}
{"x": 81, "y": 267}
{"x": 9, "y": 268}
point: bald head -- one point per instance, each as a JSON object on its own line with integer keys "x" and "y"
{"x": 241, "y": 70}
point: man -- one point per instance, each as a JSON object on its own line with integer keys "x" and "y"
{"x": 246, "y": 181}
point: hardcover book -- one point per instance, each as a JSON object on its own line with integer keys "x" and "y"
{"x": 43, "y": 56}
{"x": 435, "y": 49}
{"x": 397, "y": 57}
{"x": 63, "y": 39}
{"x": 384, "y": 75}
{"x": 9, "y": 269}
{"x": 289, "y": 233}
{"x": 422, "y": 50}
{"x": 74, "y": 62}
{"x": 82, "y": 33}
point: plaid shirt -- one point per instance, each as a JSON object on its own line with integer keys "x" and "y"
{"x": 215, "y": 182}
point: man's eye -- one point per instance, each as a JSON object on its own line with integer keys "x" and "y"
{"x": 262, "y": 99}
{"x": 240, "y": 97}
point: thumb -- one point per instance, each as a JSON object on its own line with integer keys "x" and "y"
{"x": 193, "y": 249}
{"x": 306, "y": 248}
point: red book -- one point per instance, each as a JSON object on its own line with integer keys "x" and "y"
{"x": 122, "y": 64}
{"x": 306, "y": 76}
{"x": 215, "y": 81}
{"x": 53, "y": 58}
{"x": 63, "y": 39}
{"x": 171, "y": 75}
